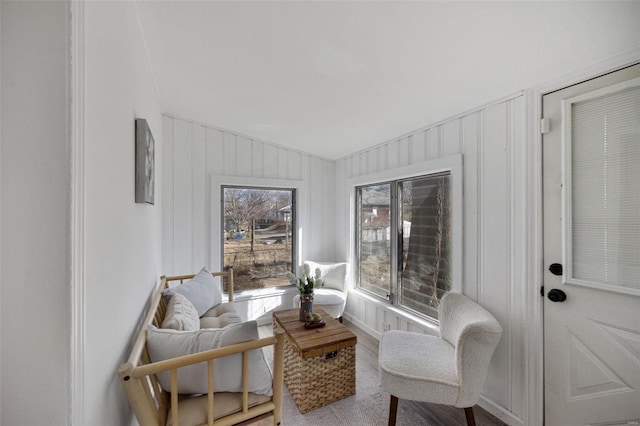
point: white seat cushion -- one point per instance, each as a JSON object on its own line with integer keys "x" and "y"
{"x": 220, "y": 316}
{"x": 164, "y": 344}
{"x": 328, "y": 296}
{"x": 330, "y": 300}
{"x": 221, "y": 309}
{"x": 405, "y": 374}
{"x": 222, "y": 321}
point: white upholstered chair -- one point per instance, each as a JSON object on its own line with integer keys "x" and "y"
{"x": 449, "y": 369}
{"x": 333, "y": 296}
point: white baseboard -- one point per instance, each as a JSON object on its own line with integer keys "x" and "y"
{"x": 361, "y": 325}
{"x": 500, "y": 412}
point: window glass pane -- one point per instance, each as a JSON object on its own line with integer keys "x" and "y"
{"x": 404, "y": 241}
{"x": 425, "y": 240}
{"x": 259, "y": 236}
{"x": 374, "y": 238}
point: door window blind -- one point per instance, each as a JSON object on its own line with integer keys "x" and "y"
{"x": 605, "y": 193}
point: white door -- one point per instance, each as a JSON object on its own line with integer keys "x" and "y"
{"x": 591, "y": 158}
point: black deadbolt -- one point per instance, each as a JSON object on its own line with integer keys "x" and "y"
{"x": 555, "y": 269}
{"x": 557, "y": 295}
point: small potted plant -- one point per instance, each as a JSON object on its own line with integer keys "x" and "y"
{"x": 306, "y": 283}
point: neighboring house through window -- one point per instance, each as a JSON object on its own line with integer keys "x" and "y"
{"x": 405, "y": 239}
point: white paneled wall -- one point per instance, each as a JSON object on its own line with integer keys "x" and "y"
{"x": 495, "y": 215}
{"x": 199, "y": 157}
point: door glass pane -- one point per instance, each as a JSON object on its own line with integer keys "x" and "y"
{"x": 425, "y": 274}
{"x": 259, "y": 236}
{"x": 605, "y": 175}
{"x": 374, "y": 239}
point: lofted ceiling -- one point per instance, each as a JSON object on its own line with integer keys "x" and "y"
{"x": 332, "y": 78}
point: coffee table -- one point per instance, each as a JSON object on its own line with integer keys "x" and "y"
{"x": 320, "y": 363}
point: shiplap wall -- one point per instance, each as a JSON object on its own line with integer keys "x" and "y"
{"x": 496, "y": 220}
{"x": 491, "y": 140}
{"x": 199, "y": 156}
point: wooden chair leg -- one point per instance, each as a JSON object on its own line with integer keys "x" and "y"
{"x": 471, "y": 420}
{"x": 393, "y": 410}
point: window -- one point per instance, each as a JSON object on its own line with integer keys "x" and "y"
{"x": 404, "y": 234}
{"x": 259, "y": 235}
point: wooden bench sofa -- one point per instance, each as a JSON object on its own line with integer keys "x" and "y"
{"x": 156, "y": 406}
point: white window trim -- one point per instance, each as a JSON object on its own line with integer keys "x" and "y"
{"x": 452, "y": 164}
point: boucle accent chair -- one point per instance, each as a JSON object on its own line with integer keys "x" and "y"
{"x": 449, "y": 369}
{"x": 332, "y": 297}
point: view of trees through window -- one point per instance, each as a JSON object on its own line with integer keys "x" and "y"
{"x": 259, "y": 235}
{"x": 404, "y": 241}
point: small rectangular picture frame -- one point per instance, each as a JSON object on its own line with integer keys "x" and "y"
{"x": 145, "y": 162}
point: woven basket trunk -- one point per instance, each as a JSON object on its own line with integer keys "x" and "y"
{"x": 319, "y": 380}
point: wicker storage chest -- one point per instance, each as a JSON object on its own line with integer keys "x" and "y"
{"x": 319, "y": 364}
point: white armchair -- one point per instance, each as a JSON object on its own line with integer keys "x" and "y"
{"x": 333, "y": 296}
{"x": 449, "y": 369}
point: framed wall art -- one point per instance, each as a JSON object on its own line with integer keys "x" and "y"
{"x": 145, "y": 162}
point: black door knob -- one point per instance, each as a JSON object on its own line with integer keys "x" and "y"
{"x": 555, "y": 269}
{"x": 556, "y": 295}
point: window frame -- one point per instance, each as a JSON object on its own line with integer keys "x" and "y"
{"x": 294, "y": 220}
{"x": 452, "y": 165}
{"x": 216, "y": 215}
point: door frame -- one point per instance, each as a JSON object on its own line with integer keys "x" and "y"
{"x": 534, "y": 412}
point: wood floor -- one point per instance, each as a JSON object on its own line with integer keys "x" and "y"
{"x": 367, "y": 363}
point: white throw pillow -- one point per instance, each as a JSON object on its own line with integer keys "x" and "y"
{"x": 203, "y": 291}
{"x": 181, "y": 315}
{"x": 334, "y": 274}
{"x": 227, "y": 372}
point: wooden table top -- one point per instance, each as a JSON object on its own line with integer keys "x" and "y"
{"x": 316, "y": 341}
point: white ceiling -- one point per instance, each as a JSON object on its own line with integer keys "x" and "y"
{"x": 332, "y": 78}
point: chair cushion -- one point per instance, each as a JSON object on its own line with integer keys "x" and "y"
{"x": 181, "y": 315}
{"x": 220, "y": 316}
{"x": 221, "y": 309}
{"x": 203, "y": 291}
{"x": 405, "y": 374}
{"x": 328, "y": 296}
{"x": 332, "y": 301}
{"x": 165, "y": 344}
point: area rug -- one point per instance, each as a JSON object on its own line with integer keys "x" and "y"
{"x": 369, "y": 406}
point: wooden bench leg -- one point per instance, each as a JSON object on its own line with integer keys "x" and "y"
{"x": 471, "y": 420}
{"x": 393, "y": 410}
